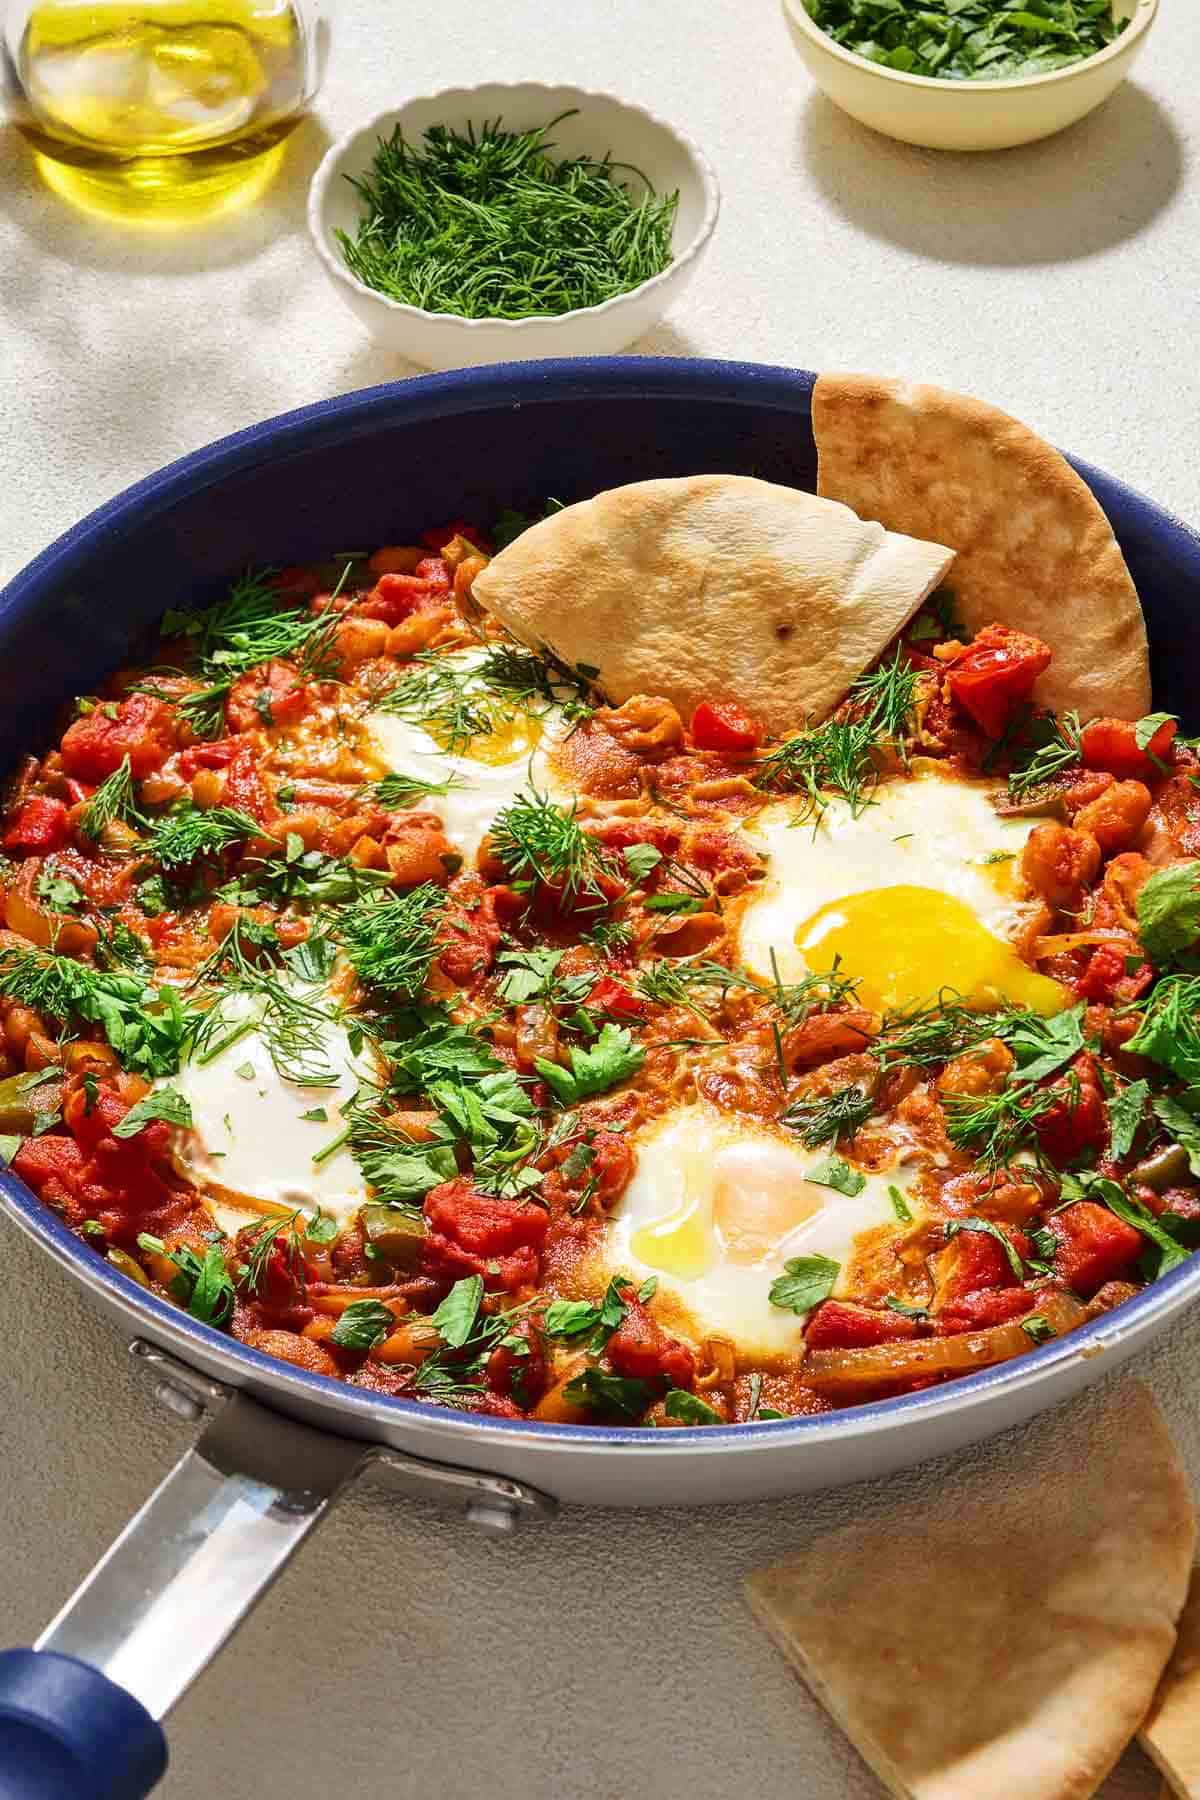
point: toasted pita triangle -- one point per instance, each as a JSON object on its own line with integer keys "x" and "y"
{"x": 1001, "y": 1639}
{"x": 1034, "y": 549}
{"x": 713, "y": 587}
{"x": 1170, "y": 1733}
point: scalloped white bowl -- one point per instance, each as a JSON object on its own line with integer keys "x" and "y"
{"x": 667, "y": 158}
{"x": 967, "y": 115}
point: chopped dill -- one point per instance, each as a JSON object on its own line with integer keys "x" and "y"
{"x": 839, "y": 757}
{"x": 180, "y": 839}
{"x": 452, "y": 703}
{"x": 537, "y": 840}
{"x": 485, "y": 223}
{"x": 1053, "y": 748}
{"x": 395, "y": 791}
{"x": 827, "y": 1118}
{"x": 249, "y": 963}
{"x": 389, "y": 938}
{"x": 113, "y": 800}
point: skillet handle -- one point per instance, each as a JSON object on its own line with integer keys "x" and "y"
{"x": 65, "y": 1729}
{"x": 78, "y": 1712}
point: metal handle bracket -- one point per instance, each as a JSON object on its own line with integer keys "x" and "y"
{"x": 214, "y": 1535}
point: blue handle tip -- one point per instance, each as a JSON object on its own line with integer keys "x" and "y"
{"x": 69, "y": 1733}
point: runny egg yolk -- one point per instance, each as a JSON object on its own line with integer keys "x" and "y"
{"x": 518, "y": 736}
{"x": 906, "y": 944}
{"x": 735, "y": 1207}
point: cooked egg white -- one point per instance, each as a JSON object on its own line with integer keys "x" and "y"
{"x": 916, "y": 894}
{"x": 249, "y": 1133}
{"x": 487, "y": 775}
{"x": 716, "y": 1207}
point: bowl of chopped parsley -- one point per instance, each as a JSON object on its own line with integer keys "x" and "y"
{"x": 968, "y": 74}
{"x": 500, "y": 223}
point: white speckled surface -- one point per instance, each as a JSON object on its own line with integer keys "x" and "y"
{"x": 402, "y": 1654}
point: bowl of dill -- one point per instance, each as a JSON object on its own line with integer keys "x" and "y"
{"x": 968, "y": 74}
{"x": 505, "y": 222}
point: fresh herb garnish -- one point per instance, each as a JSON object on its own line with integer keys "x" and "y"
{"x": 202, "y": 1284}
{"x": 180, "y": 839}
{"x": 837, "y": 1174}
{"x": 611, "y": 1396}
{"x": 363, "y": 1324}
{"x": 147, "y": 1027}
{"x": 839, "y": 757}
{"x": 455, "y": 1317}
{"x": 806, "y": 1282}
{"x": 690, "y": 1409}
{"x": 827, "y": 1118}
{"x": 1168, "y": 912}
{"x": 113, "y": 800}
{"x": 1126, "y": 1111}
{"x": 970, "y": 40}
{"x": 989, "y": 1229}
{"x": 537, "y": 840}
{"x": 164, "y": 1103}
{"x": 613, "y": 1057}
{"x": 1052, "y": 748}
{"x": 486, "y": 223}
{"x": 389, "y": 938}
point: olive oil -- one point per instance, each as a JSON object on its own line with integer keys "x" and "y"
{"x": 160, "y": 107}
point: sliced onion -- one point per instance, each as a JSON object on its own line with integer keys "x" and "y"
{"x": 843, "y": 1372}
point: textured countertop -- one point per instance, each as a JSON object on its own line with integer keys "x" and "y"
{"x": 607, "y": 1654}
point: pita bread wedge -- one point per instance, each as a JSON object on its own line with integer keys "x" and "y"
{"x": 713, "y": 587}
{"x": 1003, "y": 1638}
{"x": 1035, "y": 550}
{"x": 1170, "y": 1733}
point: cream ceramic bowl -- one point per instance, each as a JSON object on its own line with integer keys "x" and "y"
{"x": 669, "y": 161}
{"x": 967, "y": 115}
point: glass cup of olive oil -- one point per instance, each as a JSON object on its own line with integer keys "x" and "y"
{"x": 161, "y": 109}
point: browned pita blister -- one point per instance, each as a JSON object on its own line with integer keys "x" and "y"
{"x": 713, "y": 587}
{"x": 1003, "y": 1638}
{"x": 1170, "y": 1733}
{"x": 1034, "y": 548}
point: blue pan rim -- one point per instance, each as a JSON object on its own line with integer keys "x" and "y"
{"x": 462, "y": 391}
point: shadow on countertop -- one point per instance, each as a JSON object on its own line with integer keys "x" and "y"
{"x": 370, "y": 362}
{"x": 1069, "y": 197}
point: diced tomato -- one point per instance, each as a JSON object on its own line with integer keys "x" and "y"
{"x": 640, "y": 1349}
{"x": 295, "y": 579}
{"x": 142, "y": 729}
{"x": 394, "y": 597}
{"x": 990, "y": 1306}
{"x": 244, "y": 786}
{"x": 993, "y": 675}
{"x": 519, "y": 1374}
{"x": 623, "y": 834}
{"x": 469, "y": 934}
{"x": 974, "y": 1260}
{"x": 843, "y": 1325}
{"x": 435, "y": 571}
{"x": 40, "y": 826}
{"x": 1107, "y": 979}
{"x": 208, "y": 756}
{"x": 441, "y": 535}
{"x": 53, "y": 1167}
{"x": 1078, "y": 1121}
{"x": 1094, "y": 1246}
{"x": 270, "y": 695}
{"x": 614, "y": 997}
{"x": 604, "y": 1174}
{"x": 1111, "y": 744}
{"x": 722, "y": 725}
{"x": 471, "y": 1233}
